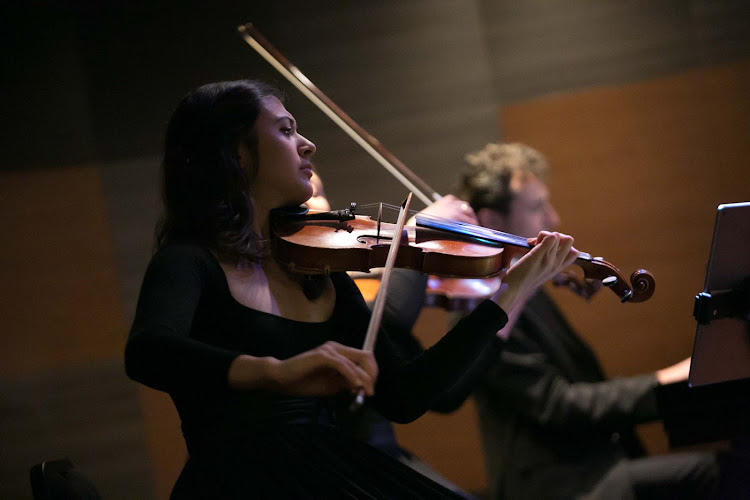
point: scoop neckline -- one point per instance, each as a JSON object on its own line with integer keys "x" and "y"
{"x": 225, "y": 284}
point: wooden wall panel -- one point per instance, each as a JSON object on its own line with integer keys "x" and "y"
{"x": 165, "y": 445}
{"x": 61, "y": 304}
{"x": 637, "y": 173}
{"x": 63, "y": 389}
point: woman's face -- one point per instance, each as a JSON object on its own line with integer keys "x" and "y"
{"x": 283, "y": 176}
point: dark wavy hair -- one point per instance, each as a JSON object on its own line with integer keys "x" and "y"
{"x": 205, "y": 190}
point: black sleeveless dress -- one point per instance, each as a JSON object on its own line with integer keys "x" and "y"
{"x": 256, "y": 444}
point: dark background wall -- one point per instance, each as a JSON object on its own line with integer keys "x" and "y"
{"x": 87, "y": 89}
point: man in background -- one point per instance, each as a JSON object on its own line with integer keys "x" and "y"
{"x": 553, "y": 426}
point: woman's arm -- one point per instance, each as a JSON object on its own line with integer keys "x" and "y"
{"x": 325, "y": 370}
{"x": 161, "y": 353}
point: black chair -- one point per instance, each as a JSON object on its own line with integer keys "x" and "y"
{"x": 60, "y": 480}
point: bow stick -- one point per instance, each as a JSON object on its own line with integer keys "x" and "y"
{"x": 377, "y": 309}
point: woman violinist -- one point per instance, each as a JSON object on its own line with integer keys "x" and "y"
{"x": 254, "y": 357}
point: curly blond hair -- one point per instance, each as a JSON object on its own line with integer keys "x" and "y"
{"x": 493, "y": 175}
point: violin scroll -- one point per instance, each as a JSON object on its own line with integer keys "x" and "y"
{"x": 639, "y": 289}
{"x": 643, "y": 283}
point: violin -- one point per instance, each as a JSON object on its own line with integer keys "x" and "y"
{"x": 424, "y": 256}
{"x": 324, "y": 242}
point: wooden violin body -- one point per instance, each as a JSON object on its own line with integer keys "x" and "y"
{"x": 361, "y": 244}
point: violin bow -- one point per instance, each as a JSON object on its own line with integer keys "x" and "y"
{"x": 409, "y": 179}
{"x": 377, "y": 309}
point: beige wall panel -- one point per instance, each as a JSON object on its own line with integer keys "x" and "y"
{"x": 65, "y": 393}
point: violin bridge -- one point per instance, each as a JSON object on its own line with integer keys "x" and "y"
{"x": 380, "y": 218}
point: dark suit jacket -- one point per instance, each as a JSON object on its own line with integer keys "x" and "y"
{"x": 551, "y": 424}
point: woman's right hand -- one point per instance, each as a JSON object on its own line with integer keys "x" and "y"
{"x": 324, "y": 371}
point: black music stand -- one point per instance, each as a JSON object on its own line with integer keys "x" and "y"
{"x": 721, "y": 352}
{"x": 714, "y": 405}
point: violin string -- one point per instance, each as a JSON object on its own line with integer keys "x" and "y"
{"x": 394, "y": 209}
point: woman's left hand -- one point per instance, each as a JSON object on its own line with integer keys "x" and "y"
{"x": 550, "y": 254}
